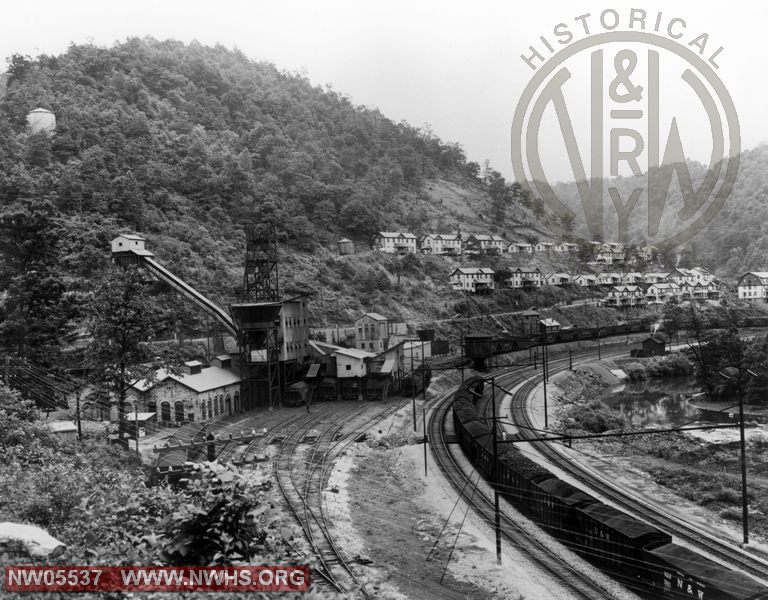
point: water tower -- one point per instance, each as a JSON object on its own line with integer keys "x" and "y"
{"x": 41, "y": 120}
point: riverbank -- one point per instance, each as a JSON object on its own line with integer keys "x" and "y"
{"x": 702, "y": 469}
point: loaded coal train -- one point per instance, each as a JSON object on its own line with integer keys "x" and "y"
{"x": 631, "y": 550}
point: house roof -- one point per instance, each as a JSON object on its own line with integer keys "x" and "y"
{"x": 372, "y": 315}
{"x": 130, "y": 236}
{"x": 396, "y": 234}
{"x": 355, "y": 353}
{"x": 762, "y": 275}
{"x": 473, "y": 270}
{"x": 208, "y": 379}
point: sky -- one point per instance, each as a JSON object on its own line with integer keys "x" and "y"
{"x": 455, "y": 66}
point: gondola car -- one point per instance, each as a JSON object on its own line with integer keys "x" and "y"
{"x": 615, "y": 539}
{"x": 630, "y": 549}
{"x": 679, "y": 572}
{"x": 327, "y": 392}
{"x": 297, "y": 394}
{"x": 376, "y": 389}
{"x": 416, "y": 382}
{"x": 351, "y": 388}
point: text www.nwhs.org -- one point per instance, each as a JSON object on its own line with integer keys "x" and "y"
{"x": 157, "y": 579}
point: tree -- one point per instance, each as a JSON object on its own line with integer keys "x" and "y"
{"x": 34, "y": 311}
{"x": 123, "y": 319}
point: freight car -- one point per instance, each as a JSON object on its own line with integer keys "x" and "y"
{"x": 513, "y": 342}
{"x": 351, "y": 388}
{"x": 327, "y": 392}
{"x": 417, "y": 381}
{"x": 376, "y": 389}
{"x": 629, "y": 549}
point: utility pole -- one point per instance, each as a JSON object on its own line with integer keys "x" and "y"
{"x": 743, "y": 449}
{"x": 497, "y": 514}
{"x": 135, "y": 422}
{"x": 413, "y": 389}
{"x": 424, "y": 424}
{"x": 77, "y": 414}
{"x": 597, "y": 316}
{"x": 543, "y": 326}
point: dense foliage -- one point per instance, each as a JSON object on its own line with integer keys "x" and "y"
{"x": 185, "y": 143}
{"x": 94, "y": 499}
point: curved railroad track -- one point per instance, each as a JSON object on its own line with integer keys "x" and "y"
{"x": 302, "y": 479}
{"x": 578, "y": 583}
{"x": 684, "y": 531}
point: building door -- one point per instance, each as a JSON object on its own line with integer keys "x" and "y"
{"x": 229, "y": 405}
{"x": 178, "y": 409}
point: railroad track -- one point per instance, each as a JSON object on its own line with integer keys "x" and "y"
{"x": 684, "y": 531}
{"x": 579, "y": 584}
{"x": 302, "y": 478}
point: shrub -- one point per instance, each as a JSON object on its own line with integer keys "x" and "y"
{"x": 596, "y": 417}
{"x": 636, "y": 371}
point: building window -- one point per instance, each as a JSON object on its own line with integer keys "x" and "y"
{"x": 349, "y": 367}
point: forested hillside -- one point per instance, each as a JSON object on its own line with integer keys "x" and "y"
{"x": 736, "y": 240}
{"x": 185, "y": 143}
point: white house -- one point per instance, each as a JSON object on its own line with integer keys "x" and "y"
{"x": 480, "y": 242}
{"x": 472, "y": 279}
{"x": 654, "y": 277}
{"x": 544, "y": 247}
{"x": 557, "y": 279}
{"x": 520, "y": 248}
{"x": 661, "y": 292}
{"x": 526, "y": 278}
{"x": 395, "y": 242}
{"x": 625, "y": 296}
{"x": 752, "y": 286}
{"x": 609, "y": 279}
{"x": 440, "y": 243}
{"x": 585, "y": 280}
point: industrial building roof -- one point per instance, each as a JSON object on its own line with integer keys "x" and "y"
{"x": 355, "y": 353}
{"x": 208, "y": 379}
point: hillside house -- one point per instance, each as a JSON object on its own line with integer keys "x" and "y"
{"x": 655, "y": 278}
{"x": 441, "y": 243}
{"x": 480, "y": 242}
{"x": 694, "y": 275}
{"x": 609, "y": 279}
{"x": 632, "y": 278}
{"x": 520, "y": 248}
{"x": 585, "y": 280}
{"x": 644, "y": 253}
{"x": 557, "y": 279}
{"x": 526, "y": 278}
{"x": 371, "y": 332}
{"x": 394, "y": 242}
{"x": 625, "y": 296}
{"x": 472, "y": 279}
{"x": 752, "y": 286}
{"x": 661, "y": 292}
{"x": 545, "y": 247}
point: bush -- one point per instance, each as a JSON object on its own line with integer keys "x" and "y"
{"x": 596, "y": 417}
{"x": 731, "y": 514}
{"x": 636, "y": 372}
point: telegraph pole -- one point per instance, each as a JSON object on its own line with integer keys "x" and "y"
{"x": 497, "y": 515}
{"x": 544, "y": 374}
{"x": 743, "y": 450}
{"x": 413, "y": 389}
{"x": 77, "y": 414}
